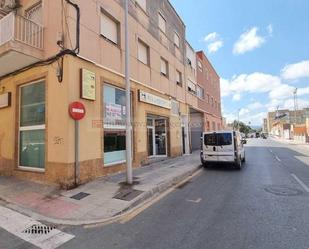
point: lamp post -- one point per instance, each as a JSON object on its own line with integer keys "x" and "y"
{"x": 128, "y": 98}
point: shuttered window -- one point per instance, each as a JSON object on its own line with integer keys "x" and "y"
{"x": 162, "y": 23}
{"x": 109, "y": 28}
{"x": 176, "y": 40}
{"x": 141, "y": 3}
{"x": 143, "y": 52}
{"x": 178, "y": 78}
{"x": 164, "y": 67}
{"x": 191, "y": 86}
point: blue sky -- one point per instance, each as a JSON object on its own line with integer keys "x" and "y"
{"x": 260, "y": 48}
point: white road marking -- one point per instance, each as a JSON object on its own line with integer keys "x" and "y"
{"x": 195, "y": 201}
{"x": 305, "y": 187}
{"x": 15, "y": 223}
{"x": 270, "y": 151}
{"x": 278, "y": 159}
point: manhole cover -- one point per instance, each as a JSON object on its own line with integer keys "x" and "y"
{"x": 127, "y": 194}
{"x": 283, "y": 190}
{"x": 39, "y": 229}
{"x": 80, "y": 196}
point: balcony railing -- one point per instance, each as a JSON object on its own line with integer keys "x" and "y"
{"x": 18, "y": 28}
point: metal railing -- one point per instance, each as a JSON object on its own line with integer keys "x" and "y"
{"x": 15, "y": 27}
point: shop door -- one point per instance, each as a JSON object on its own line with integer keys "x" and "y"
{"x": 183, "y": 140}
{"x": 150, "y": 137}
{"x": 160, "y": 137}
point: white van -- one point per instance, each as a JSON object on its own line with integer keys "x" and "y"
{"x": 222, "y": 146}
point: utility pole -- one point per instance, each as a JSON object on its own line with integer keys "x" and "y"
{"x": 295, "y": 105}
{"x": 128, "y": 98}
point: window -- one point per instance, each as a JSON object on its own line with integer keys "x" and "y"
{"x": 109, "y": 28}
{"x": 142, "y": 4}
{"x": 191, "y": 87}
{"x": 219, "y": 139}
{"x": 216, "y": 104}
{"x": 114, "y": 125}
{"x": 212, "y": 101}
{"x": 178, "y": 78}
{"x": 200, "y": 92}
{"x": 164, "y": 67}
{"x": 176, "y": 40}
{"x": 143, "y": 52}
{"x": 200, "y": 66}
{"x": 208, "y": 98}
{"x": 162, "y": 23}
{"x": 32, "y": 126}
{"x": 213, "y": 126}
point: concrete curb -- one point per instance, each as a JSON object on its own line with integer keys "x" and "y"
{"x": 136, "y": 203}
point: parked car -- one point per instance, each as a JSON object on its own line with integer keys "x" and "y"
{"x": 222, "y": 147}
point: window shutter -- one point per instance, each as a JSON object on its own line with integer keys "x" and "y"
{"x": 162, "y": 23}
{"x": 191, "y": 86}
{"x": 163, "y": 67}
{"x": 176, "y": 40}
{"x": 142, "y": 53}
{"x": 109, "y": 28}
{"x": 178, "y": 78}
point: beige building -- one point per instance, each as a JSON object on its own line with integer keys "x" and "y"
{"x": 50, "y": 59}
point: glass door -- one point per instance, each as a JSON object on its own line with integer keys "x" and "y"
{"x": 160, "y": 137}
{"x": 150, "y": 136}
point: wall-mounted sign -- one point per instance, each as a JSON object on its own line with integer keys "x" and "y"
{"x": 5, "y": 100}
{"x": 153, "y": 99}
{"x": 87, "y": 86}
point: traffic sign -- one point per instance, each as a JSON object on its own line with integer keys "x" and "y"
{"x": 77, "y": 110}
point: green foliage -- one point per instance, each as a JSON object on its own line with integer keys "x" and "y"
{"x": 243, "y": 127}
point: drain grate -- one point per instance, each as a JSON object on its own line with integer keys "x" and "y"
{"x": 282, "y": 190}
{"x": 127, "y": 194}
{"x": 79, "y": 196}
{"x": 39, "y": 229}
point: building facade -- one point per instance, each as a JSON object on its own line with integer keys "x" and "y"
{"x": 50, "y": 59}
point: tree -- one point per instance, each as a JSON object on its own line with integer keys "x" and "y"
{"x": 243, "y": 128}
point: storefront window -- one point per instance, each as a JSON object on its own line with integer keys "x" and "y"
{"x": 32, "y": 126}
{"x": 114, "y": 125}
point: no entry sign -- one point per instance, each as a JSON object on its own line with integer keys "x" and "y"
{"x": 77, "y": 110}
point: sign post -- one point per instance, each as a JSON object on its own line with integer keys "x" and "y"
{"x": 77, "y": 112}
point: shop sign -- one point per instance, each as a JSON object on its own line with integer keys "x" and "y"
{"x": 5, "y": 100}
{"x": 154, "y": 100}
{"x": 87, "y": 84}
{"x": 113, "y": 111}
{"x": 77, "y": 110}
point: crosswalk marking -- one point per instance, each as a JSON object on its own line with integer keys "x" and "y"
{"x": 16, "y": 223}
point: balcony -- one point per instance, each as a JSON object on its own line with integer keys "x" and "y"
{"x": 21, "y": 43}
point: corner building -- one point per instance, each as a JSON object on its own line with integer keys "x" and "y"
{"x": 49, "y": 60}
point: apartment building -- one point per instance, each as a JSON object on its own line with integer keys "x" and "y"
{"x": 208, "y": 93}
{"x": 55, "y": 52}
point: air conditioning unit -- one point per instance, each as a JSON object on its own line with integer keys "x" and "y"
{"x": 8, "y": 5}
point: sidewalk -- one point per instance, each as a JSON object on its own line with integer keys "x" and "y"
{"x": 291, "y": 142}
{"x": 95, "y": 202}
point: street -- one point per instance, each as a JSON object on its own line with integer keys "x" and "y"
{"x": 265, "y": 205}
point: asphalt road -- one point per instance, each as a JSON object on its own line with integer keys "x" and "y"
{"x": 265, "y": 205}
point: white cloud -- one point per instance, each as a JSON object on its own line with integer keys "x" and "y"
{"x": 255, "y": 106}
{"x": 270, "y": 29}
{"x": 289, "y": 104}
{"x": 252, "y": 83}
{"x": 214, "y": 42}
{"x": 282, "y": 92}
{"x": 236, "y": 97}
{"x": 296, "y": 71}
{"x": 214, "y": 46}
{"x": 248, "y": 41}
{"x": 211, "y": 37}
{"x": 303, "y": 91}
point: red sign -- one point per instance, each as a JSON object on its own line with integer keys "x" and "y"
{"x": 77, "y": 110}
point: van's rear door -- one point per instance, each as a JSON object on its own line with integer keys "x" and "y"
{"x": 225, "y": 147}
{"x": 210, "y": 147}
